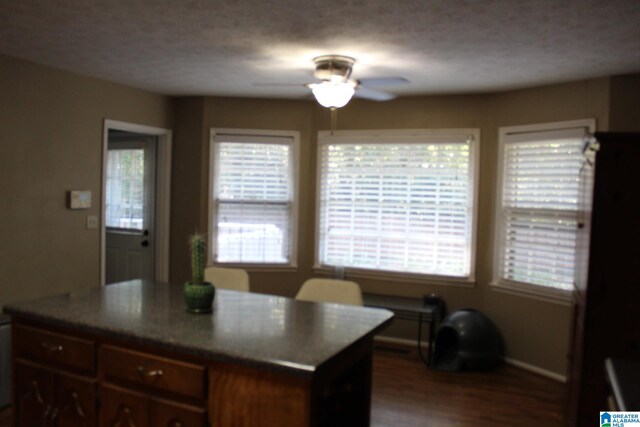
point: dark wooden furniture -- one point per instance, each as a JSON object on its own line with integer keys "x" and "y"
{"x": 605, "y": 315}
{"x": 410, "y": 309}
{"x": 55, "y": 378}
{"x": 623, "y": 377}
{"x": 129, "y": 355}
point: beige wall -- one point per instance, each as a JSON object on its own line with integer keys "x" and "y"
{"x": 536, "y": 331}
{"x": 624, "y": 115}
{"x": 186, "y": 182}
{"x": 51, "y": 125}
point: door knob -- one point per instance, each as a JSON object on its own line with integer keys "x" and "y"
{"x": 144, "y": 243}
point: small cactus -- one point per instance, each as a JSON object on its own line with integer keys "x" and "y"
{"x": 198, "y": 255}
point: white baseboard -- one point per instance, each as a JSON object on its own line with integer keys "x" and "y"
{"x": 509, "y": 361}
{"x": 536, "y": 370}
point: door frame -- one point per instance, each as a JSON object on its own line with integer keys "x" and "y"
{"x": 162, "y": 195}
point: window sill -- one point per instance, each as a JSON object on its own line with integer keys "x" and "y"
{"x": 390, "y": 276}
{"x": 555, "y": 296}
{"x": 259, "y": 268}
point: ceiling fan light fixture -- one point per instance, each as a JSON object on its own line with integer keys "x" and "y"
{"x": 331, "y": 67}
{"x": 333, "y": 94}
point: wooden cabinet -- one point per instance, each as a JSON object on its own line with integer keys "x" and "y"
{"x": 153, "y": 372}
{"x": 141, "y": 389}
{"x": 34, "y": 395}
{"x": 55, "y": 379}
{"x": 126, "y": 408}
{"x": 123, "y": 408}
{"x": 47, "y": 397}
{"x": 605, "y": 320}
{"x": 74, "y": 401}
{"x": 67, "y": 381}
{"x": 54, "y": 349}
{"x": 170, "y": 414}
{"x": 89, "y": 360}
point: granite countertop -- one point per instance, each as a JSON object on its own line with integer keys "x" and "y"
{"x": 262, "y": 330}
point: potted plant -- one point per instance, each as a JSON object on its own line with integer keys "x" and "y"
{"x": 198, "y": 294}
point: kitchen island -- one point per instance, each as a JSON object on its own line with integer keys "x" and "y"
{"x": 130, "y": 355}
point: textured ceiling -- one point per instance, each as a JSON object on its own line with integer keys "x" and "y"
{"x": 224, "y": 48}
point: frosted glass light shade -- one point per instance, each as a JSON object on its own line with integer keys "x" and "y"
{"x": 333, "y": 94}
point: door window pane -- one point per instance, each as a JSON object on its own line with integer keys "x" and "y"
{"x": 125, "y": 189}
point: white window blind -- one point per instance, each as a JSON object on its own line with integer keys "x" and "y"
{"x": 253, "y": 198}
{"x": 401, "y": 204}
{"x": 540, "y": 186}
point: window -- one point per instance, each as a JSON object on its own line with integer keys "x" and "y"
{"x": 125, "y": 189}
{"x": 253, "y": 206}
{"x": 538, "y": 205}
{"x": 401, "y": 202}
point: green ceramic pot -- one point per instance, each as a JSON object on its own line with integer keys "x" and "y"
{"x": 199, "y": 298}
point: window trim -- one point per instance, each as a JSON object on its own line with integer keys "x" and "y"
{"x": 212, "y": 216}
{"x": 382, "y": 136}
{"x": 513, "y": 287}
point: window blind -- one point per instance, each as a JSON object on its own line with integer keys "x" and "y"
{"x": 253, "y": 198}
{"x": 539, "y": 207}
{"x": 404, "y": 207}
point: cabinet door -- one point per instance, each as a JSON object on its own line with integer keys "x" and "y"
{"x": 75, "y": 402}
{"x": 170, "y": 414}
{"x": 123, "y": 408}
{"x": 34, "y": 395}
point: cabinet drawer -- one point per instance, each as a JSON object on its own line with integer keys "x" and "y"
{"x": 56, "y": 349}
{"x": 152, "y": 371}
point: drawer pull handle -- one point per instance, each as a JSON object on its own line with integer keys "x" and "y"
{"x": 54, "y": 415}
{"x": 123, "y": 417}
{"x": 51, "y": 348}
{"x": 45, "y": 414}
{"x": 155, "y": 373}
{"x": 77, "y": 406}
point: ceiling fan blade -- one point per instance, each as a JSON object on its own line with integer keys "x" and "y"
{"x": 281, "y": 84}
{"x": 383, "y": 81}
{"x": 372, "y": 94}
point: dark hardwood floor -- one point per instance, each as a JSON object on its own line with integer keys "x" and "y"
{"x": 406, "y": 394}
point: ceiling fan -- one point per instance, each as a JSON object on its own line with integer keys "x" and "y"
{"x": 336, "y": 87}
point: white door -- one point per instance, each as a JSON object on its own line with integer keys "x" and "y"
{"x": 129, "y": 207}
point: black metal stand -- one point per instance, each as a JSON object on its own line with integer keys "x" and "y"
{"x": 411, "y": 309}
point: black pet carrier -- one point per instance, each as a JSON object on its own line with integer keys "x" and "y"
{"x": 468, "y": 340}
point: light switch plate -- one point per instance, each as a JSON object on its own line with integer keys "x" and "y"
{"x": 79, "y": 199}
{"x": 92, "y": 222}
